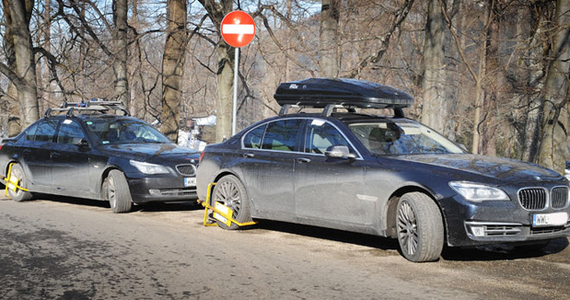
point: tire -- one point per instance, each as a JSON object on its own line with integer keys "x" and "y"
{"x": 117, "y": 192}
{"x": 420, "y": 228}
{"x": 19, "y": 195}
{"x": 230, "y": 192}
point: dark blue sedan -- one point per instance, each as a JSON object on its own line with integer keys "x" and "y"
{"x": 90, "y": 153}
{"x": 353, "y": 167}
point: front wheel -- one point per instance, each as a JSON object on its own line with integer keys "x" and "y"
{"x": 118, "y": 193}
{"x": 230, "y": 192}
{"x": 420, "y": 228}
{"x": 17, "y": 175}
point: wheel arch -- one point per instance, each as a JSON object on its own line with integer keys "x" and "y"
{"x": 392, "y": 207}
{"x": 225, "y": 173}
{"x": 104, "y": 175}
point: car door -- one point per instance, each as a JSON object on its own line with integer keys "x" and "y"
{"x": 329, "y": 190}
{"x": 36, "y": 152}
{"x": 70, "y": 161}
{"x": 269, "y": 155}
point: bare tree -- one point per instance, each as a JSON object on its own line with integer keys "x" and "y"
{"x": 435, "y": 109}
{"x": 120, "y": 16}
{"x": 225, "y": 62}
{"x": 18, "y": 15}
{"x": 173, "y": 67}
{"x": 556, "y": 119}
{"x": 328, "y": 38}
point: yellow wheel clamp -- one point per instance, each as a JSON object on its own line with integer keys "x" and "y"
{"x": 12, "y": 183}
{"x": 221, "y": 212}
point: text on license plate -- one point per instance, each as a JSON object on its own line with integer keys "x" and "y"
{"x": 189, "y": 181}
{"x": 553, "y": 219}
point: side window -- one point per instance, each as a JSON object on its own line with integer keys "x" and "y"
{"x": 282, "y": 135}
{"x": 321, "y": 135}
{"x": 253, "y": 138}
{"x": 69, "y": 132}
{"x": 44, "y": 132}
{"x": 31, "y": 133}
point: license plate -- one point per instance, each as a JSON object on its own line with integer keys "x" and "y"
{"x": 553, "y": 219}
{"x": 189, "y": 182}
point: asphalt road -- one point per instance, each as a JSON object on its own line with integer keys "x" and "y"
{"x": 78, "y": 249}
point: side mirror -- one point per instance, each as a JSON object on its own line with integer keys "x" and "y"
{"x": 81, "y": 143}
{"x": 339, "y": 152}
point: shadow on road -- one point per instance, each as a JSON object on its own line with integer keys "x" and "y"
{"x": 481, "y": 253}
{"x": 504, "y": 252}
{"x": 149, "y": 207}
{"x": 329, "y": 234}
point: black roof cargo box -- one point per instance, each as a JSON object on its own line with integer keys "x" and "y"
{"x": 320, "y": 92}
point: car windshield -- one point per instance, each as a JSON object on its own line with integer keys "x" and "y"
{"x": 402, "y": 138}
{"x": 124, "y": 131}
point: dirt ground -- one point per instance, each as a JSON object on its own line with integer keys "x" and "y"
{"x": 77, "y": 249}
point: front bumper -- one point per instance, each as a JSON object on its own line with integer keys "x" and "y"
{"x": 164, "y": 189}
{"x": 494, "y": 222}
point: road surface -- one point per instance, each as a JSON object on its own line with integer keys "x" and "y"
{"x": 56, "y": 248}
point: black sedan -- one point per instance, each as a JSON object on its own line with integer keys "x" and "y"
{"x": 95, "y": 155}
{"x": 381, "y": 175}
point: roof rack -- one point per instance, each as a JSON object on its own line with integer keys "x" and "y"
{"x": 95, "y": 105}
{"x": 332, "y": 93}
{"x": 329, "y": 109}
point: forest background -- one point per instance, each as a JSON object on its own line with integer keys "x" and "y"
{"x": 492, "y": 75}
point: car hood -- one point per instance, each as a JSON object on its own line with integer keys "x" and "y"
{"x": 153, "y": 152}
{"x": 471, "y": 166}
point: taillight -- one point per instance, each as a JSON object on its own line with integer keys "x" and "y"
{"x": 201, "y": 156}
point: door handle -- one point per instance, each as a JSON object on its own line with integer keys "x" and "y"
{"x": 303, "y": 160}
{"x": 248, "y": 155}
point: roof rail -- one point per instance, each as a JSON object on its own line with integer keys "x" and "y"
{"x": 85, "y": 106}
{"x": 329, "y": 109}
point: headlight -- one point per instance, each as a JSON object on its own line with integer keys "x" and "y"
{"x": 478, "y": 192}
{"x": 147, "y": 168}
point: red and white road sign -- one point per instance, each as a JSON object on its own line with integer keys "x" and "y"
{"x": 238, "y": 28}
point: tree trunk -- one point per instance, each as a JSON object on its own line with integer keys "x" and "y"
{"x": 224, "y": 103}
{"x": 435, "y": 109}
{"x": 533, "y": 66}
{"x": 24, "y": 77}
{"x": 553, "y": 146}
{"x": 173, "y": 67}
{"x": 120, "y": 15}
{"x": 225, "y": 53}
{"x": 493, "y": 80}
{"x": 328, "y": 38}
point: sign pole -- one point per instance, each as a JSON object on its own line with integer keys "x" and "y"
{"x": 238, "y": 30}
{"x": 236, "y": 74}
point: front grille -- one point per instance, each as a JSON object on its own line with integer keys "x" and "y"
{"x": 178, "y": 192}
{"x": 559, "y": 197}
{"x": 533, "y": 198}
{"x": 495, "y": 230}
{"x": 186, "y": 170}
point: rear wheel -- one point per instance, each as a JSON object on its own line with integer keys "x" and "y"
{"x": 17, "y": 175}
{"x": 118, "y": 192}
{"x": 230, "y": 192}
{"x": 420, "y": 228}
